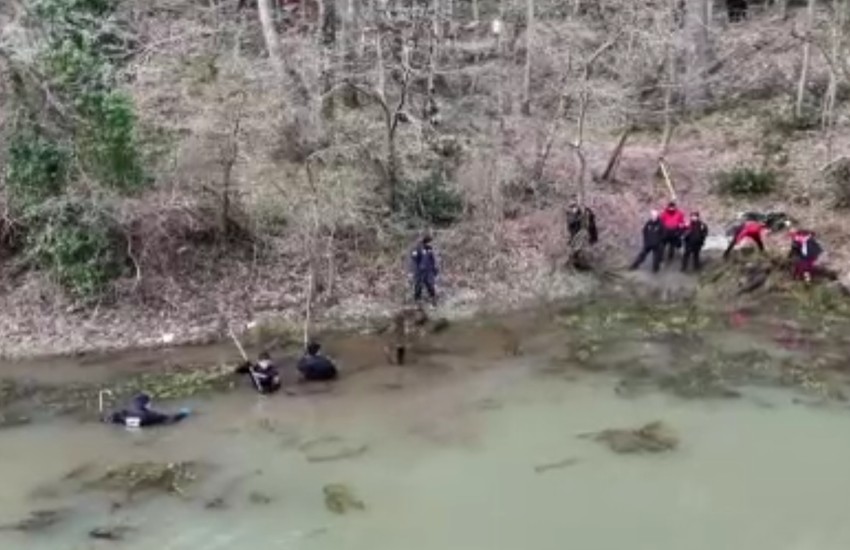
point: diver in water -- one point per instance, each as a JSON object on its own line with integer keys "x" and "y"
{"x": 264, "y": 375}
{"x": 315, "y": 367}
{"x": 140, "y": 415}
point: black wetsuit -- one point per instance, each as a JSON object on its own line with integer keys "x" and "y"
{"x": 265, "y": 379}
{"x": 316, "y": 368}
{"x": 139, "y": 415}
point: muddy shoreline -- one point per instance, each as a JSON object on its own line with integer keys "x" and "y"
{"x": 117, "y": 330}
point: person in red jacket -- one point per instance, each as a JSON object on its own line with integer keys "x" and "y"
{"x": 805, "y": 251}
{"x": 673, "y": 221}
{"x": 752, "y": 229}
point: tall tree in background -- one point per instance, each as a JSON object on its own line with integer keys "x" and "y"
{"x": 529, "y": 40}
{"x": 698, "y": 53}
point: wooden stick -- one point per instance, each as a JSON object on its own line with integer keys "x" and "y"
{"x": 667, "y": 179}
{"x": 238, "y": 343}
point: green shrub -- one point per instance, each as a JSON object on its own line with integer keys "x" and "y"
{"x": 746, "y": 181}
{"x": 838, "y": 179}
{"x": 108, "y": 147}
{"x": 36, "y": 169}
{"x": 431, "y": 200}
{"x": 77, "y": 243}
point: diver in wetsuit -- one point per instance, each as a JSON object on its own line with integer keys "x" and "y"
{"x": 140, "y": 415}
{"x": 314, "y": 367}
{"x": 264, "y": 375}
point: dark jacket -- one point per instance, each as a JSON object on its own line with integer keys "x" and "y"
{"x": 265, "y": 380}
{"x": 695, "y": 235}
{"x": 811, "y": 251}
{"x": 316, "y": 368}
{"x": 423, "y": 262}
{"x": 653, "y": 233}
{"x": 577, "y": 218}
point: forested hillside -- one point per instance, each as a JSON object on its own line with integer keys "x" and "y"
{"x": 178, "y": 165}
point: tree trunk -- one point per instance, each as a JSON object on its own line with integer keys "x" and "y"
{"x": 529, "y": 40}
{"x": 264, "y": 9}
{"x": 698, "y": 53}
{"x": 807, "y": 59}
{"x": 836, "y": 39}
{"x": 783, "y": 9}
{"x": 475, "y": 13}
{"x": 429, "y": 109}
{"x": 327, "y": 41}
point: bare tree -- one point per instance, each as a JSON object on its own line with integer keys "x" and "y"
{"x": 807, "y": 59}
{"x": 698, "y": 52}
{"x": 264, "y": 9}
{"x": 529, "y": 40}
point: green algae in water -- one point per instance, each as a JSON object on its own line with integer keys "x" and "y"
{"x": 655, "y": 437}
{"x": 340, "y": 499}
{"x": 148, "y": 477}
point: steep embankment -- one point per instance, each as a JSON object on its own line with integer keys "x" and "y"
{"x": 200, "y": 80}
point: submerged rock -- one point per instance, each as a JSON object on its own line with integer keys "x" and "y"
{"x": 654, "y": 437}
{"x": 37, "y": 521}
{"x": 140, "y": 477}
{"x": 256, "y": 497}
{"x": 339, "y": 499}
{"x": 114, "y": 533}
{"x": 696, "y": 383}
{"x": 331, "y": 448}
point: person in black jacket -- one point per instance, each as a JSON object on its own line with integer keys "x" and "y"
{"x": 314, "y": 367}
{"x": 423, "y": 265}
{"x": 580, "y": 219}
{"x": 139, "y": 414}
{"x": 264, "y": 375}
{"x": 695, "y": 235}
{"x": 653, "y": 240}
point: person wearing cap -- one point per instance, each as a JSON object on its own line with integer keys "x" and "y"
{"x": 264, "y": 375}
{"x": 140, "y": 415}
{"x": 653, "y": 240}
{"x": 673, "y": 221}
{"x": 423, "y": 266}
{"x": 580, "y": 218}
{"x": 805, "y": 251}
{"x": 694, "y": 238}
{"x": 314, "y": 367}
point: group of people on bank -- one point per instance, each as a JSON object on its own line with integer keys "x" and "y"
{"x": 670, "y": 229}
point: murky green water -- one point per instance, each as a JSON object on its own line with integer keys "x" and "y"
{"x": 449, "y": 455}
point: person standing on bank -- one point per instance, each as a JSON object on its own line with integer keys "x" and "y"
{"x": 580, "y": 219}
{"x": 673, "y": 221}
{"x": 695, "y": 235}
{"x": 423, "y": 265}
{"x": 653, "y": 241}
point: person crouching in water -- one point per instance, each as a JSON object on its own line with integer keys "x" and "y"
{"x": 314, "y": 367}
{"x": 695, "y": 235}
{"x": 653, "y": 241}
{"x": 140, "y": 415}
{"x": 805, "y": 251}
{"x": 753, "y": 230}
{"x": 673, "y": 221}
{"x": 264, "y": 375}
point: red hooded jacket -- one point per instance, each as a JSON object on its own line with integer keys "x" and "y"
{"x": 672, "y": 218}
{"x": 750, "y": 230}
